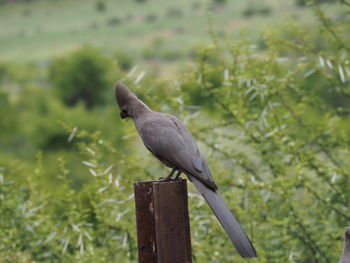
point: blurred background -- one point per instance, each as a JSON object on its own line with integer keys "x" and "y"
{"x": 262, "y": 85}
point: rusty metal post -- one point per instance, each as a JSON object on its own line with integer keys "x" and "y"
{"x": 145, "y": 222}
{"x": 163, "y": 228}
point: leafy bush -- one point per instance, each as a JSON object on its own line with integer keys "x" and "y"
{"x": 170, "y": 54}
{"x": 113, "y": 21}
{"x": 81, "y": 76}
{"x": 305, "y": 2}
{"x": 256, "y": 10}
{"x": 151, "y": 18}
{"x": 64, "y": 225}
{"x": 8, "y": 124}
{"x": 100, "y": 6}
{"x": 152, "y": 52}
{"x": 220, "y": 2}
{"x": 283, "y": 149}
{"x": 174, "y": 12}
{"x": 124, "y": 60}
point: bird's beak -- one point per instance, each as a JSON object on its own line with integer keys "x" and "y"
{"x": 122, "y": 115}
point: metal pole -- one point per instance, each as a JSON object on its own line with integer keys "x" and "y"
{"x": 163, "y": 228}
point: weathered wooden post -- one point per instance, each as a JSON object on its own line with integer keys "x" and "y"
{"x": 163, "y": 227}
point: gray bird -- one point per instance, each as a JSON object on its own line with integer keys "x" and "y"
{"x": 168, "y": 139}
{"x": 345, "y": 258}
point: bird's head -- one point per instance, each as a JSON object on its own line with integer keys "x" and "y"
{"x": 347, "y": 233}
{"x": 129, "y": 104}
{"x": 123, "y": 96}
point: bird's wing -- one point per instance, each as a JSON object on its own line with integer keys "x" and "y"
{"x": 168, "y": 139}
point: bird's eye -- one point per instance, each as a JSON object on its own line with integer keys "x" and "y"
{"x": 123, "y": 113}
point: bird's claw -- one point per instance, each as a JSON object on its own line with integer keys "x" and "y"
{"x": 164, "y": 179}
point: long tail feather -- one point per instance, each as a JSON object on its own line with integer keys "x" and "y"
{"x": 226, "y": 219}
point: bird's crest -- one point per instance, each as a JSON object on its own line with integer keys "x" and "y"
{"x": 123, "y": 95}
{"x": 347, "y": 233}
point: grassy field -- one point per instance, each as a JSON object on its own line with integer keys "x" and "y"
{"x": 169, "y": 30}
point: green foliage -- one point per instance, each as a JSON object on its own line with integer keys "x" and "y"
{"x": 174, "y": 12}
{"x": 151, "y": 17}
{"x": 114, "y": 21}
{"x": 305, "y": 2}
{"x": 220, "y": 2}
{"x": 124, "y": 60}
{"x": 100, "y": 6}
{"x": 287, "y": 119}
{"x": 81, "y": 76}
{"x": 7, "y": 123}
{"x": 65, "y": 225}
{"x": 256, "y": 10}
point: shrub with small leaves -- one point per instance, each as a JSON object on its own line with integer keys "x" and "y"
{"x": 82, "y": 76}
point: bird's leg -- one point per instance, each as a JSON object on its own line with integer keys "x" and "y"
{"x": 178, "y": 174}
{"x": 169, "y": 176}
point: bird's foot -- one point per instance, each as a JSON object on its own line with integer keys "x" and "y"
{"x": 177, "y": 177}
{"x": 168, "y": 178}
{"x": 164, "y": 179}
